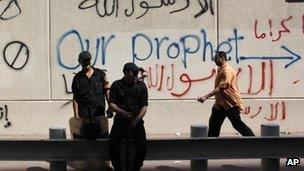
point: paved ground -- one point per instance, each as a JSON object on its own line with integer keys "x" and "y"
{"x": 214, "y": 165}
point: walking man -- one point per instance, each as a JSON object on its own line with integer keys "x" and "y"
{"x": 228, "y": 102}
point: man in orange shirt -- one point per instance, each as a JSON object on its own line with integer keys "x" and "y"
{"x": 228, "y": 102}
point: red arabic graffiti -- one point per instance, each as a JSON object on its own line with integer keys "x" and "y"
{"x": 248, "y": 111}
{"x": 277, "y": 111}
{"x": 170, "y": 84}
{"x": 283, "y": 29}
{"x": 263, "y": 79}
{"x": 186, "y": 79}
{"x": 303, "y": 23}
{"x": 162, "y": 78}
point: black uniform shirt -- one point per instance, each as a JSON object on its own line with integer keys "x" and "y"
{"x": 89, "y": 92}
{"x": 129, "y": 97}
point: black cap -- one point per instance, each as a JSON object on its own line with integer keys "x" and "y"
{"x": 130, "y": 66}
{"x": 84, "y": 57}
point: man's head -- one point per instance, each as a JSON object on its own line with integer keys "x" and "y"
{"x": 220, "y": 58}
{"x": 131, "y": 71}
{"x": 84, "y": 59}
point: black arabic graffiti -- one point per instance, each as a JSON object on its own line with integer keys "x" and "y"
{"x": 67, "y": 91}
{"x": 12, "y": 56}
{"x": 6, "y": 14}
{"x": 103, "y": 10}
{"x": 86, "y": 5}
{"x": 67, "y": 81}
{"x": 204, "y": 7}
{"x": 4, "y": 111}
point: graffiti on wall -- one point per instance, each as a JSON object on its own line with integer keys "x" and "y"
{"x": 276, "y": 34}
{"x": 100, "y": 49}
{"x": 163, "y": 48}
{"x": 172, "y": 74}
{"x": 172, "y": 50}
{"x": 67, "y": 83}
{"x": 16, "y": 55}
{"x": 164, "y": 78}
{"x": 278, "y": 111}
{"x": 4, "y": 114}
{"x": 9, "y": 9}
{"x": 139, "y": 9}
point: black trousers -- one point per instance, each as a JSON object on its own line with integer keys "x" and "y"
{"x": 118, "y": 132}
{"x": 218, "y": 116}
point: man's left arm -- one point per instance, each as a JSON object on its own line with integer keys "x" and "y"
{"x": 141, "y": 114}
{"x": 139, "y": 117}
{"x": 144, "y": 108}
{"x": 107, "y": 91}
{"x": 106, "y": 87}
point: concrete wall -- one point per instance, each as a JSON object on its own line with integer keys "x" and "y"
{"x": 174, "y": 41}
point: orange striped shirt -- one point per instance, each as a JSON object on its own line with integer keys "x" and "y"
{"x": 229, "y": 97}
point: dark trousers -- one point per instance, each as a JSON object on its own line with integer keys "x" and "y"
{"x": 118, "y": 132}
{"x": 218, "y": 116}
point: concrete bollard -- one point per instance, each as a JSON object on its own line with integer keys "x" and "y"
{"x": 57, "y": 133}
{"x": 270, "y": 163}
{"x": 198, "y": 131}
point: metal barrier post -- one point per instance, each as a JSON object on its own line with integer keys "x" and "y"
{"x": 199, "y": 131}
{"x": 270, "y": 163}
{"x": 57, "y": 133}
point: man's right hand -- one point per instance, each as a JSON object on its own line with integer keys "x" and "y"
{"x": 128, "y": 115}
{"x": 116, "y": 109}
{"x": 202, "y": 99}
{"x": 76, "y": 115}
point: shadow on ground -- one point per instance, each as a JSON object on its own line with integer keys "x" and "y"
{"x": 167, "y": 168}
{"x": 36, "y": 169}
{"x": 223, "y": 168}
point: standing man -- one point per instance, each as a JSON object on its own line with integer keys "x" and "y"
{"x": 90, "y": 87}
{"x": 129, "y": 99}
{"x": 227, "y": 99}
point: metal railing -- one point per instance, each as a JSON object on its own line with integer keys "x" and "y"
{"x": 268, "y": 148}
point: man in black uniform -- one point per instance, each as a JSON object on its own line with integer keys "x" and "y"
{"x": 129, "y": 99}
{"x": 90, "y": 86}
